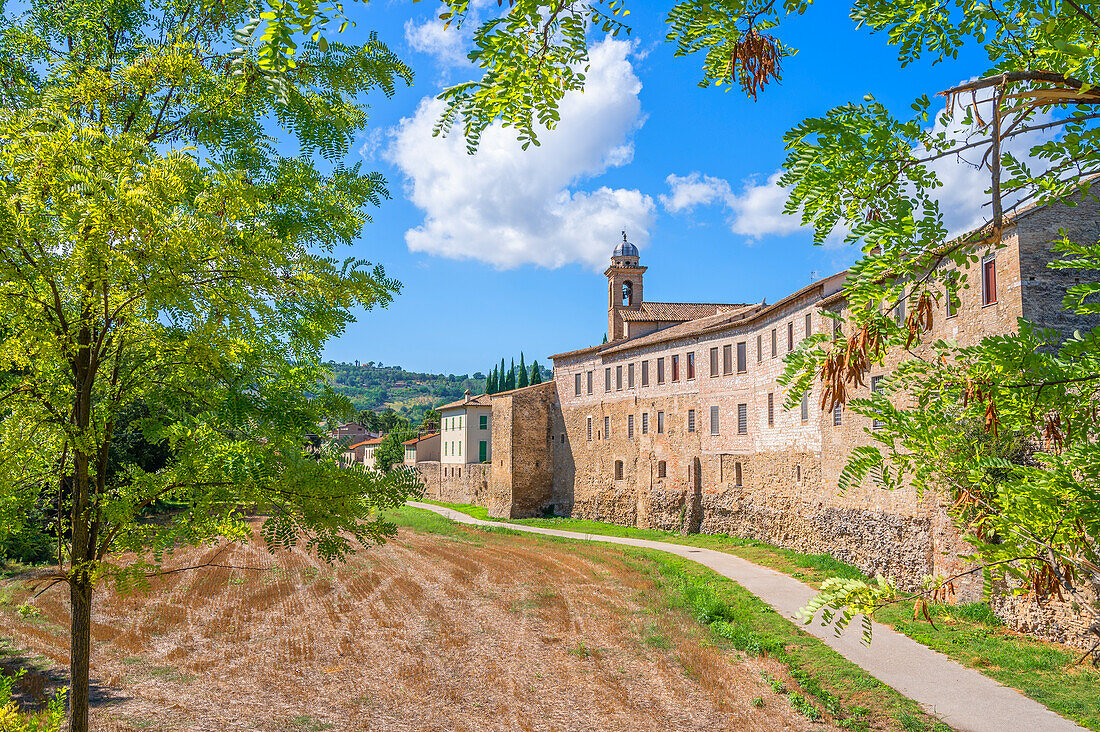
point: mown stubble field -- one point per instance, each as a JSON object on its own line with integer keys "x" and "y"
{"x": 463, "y": 630}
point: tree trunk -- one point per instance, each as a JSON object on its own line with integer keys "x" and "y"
{"x": 80, "y": 595}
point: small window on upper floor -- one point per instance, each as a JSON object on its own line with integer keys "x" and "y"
{"x": 714, "y": 361}
{"x": 675, "y": 368}
{"x": 483, "y": 422}
{"x": 691, "y": 365}
{"x": 742, "y": 357}
{"x": 727, "y": 360}
{"x": 588, "y": 378}
{"x": 790, "y": 337}
{"x": 645, "y": 373}
{"x": 759, "y": 348}
{"x": 774, "y": 343}
{"x": 805, "y": 406}
{"x": 809, "y": 326}
{"x": 577, "y": 386}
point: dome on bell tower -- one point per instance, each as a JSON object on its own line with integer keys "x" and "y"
{"x": 626, "y": 249}
{"x": 625, "y": 255}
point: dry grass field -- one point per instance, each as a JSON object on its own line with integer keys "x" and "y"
{"x": 462, "y": 630}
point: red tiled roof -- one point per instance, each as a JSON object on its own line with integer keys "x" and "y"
{"x": 415, "y": 440}
{"x": 372, "y": 441}
{"x": 677, "y": 311}
{"x": 481, "y": 400}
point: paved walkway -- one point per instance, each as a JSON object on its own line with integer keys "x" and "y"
{"x": 961, "y": 697}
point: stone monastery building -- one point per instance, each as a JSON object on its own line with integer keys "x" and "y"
{"x": 677, "y": 421}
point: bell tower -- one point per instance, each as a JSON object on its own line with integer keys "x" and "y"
{"x": 624, "y": 287}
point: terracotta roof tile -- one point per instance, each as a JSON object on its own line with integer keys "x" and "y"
{"x": 481, "y": 400}
{"x": 415, "y": 440}
{"x": 671, "y": 311}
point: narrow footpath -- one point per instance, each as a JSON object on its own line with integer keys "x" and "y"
{"x": 961, "y": 697}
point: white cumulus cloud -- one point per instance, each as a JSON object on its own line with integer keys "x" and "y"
{"x": 446, "y": 46}
{"x": 756, "y": 210}
{"x": 508, "y": 206}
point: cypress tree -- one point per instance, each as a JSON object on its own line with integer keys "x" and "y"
{"x": 491, "y": 381}
{"x": 511, "y": 380}
{"x": 502, "y": 378}
{"x": 536, "y": 374}
{"x": 522, "y": 372}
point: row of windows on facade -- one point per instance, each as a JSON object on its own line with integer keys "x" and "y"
{"x": 951, "y": 299}
{"x": 715, "y": 417}
{"x": 662, "y": 472}
{"x": 455, "y": 423}
{"x": 715, "y": 427}
{"x": 583, "y": 383}
{"x": 454, "y": 449}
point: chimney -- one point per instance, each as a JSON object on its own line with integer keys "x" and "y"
{"x": 467, "y": 393}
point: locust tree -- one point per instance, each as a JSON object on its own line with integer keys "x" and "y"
{"x": 1007, "y": 427}
{"x": 156, "y": 247}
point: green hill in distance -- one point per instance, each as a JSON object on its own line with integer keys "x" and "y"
{"x": 377, "y": 387}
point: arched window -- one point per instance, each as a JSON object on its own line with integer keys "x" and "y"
{"x": 628, "y": 293}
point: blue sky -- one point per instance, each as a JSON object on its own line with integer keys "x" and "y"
{"x": 505, "y": 252}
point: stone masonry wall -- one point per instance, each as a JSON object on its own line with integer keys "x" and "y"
{"x": 467, "y": 483}
{"x": 522, "y": 467}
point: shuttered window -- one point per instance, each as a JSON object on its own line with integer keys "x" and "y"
{"x": 589, "y": 378}
{"x": 742, "y": 419}
{"x": 742, "y": 358}
{"x": 691, "y": 365}
{"x": 630, "y": 426}
{"x": 691, "y": 420}
{"x": 630, "y": 376}
{"x": 876, "y": 386}
{"x": 660, "y": 371}
{"x": 645, "y": 423}
{"x": 607, "y": 379}
{"x": 989, "y": 281}
{"x": 660, "y": 423}
{"x": 727, "y": 360}
{"x": 774, "y": 352}
{"x": 577, "y": 386}
{"x": 607, "y": 428}
{"x": 771, "y": 408}
{"x": 645, "y": 373}
{"x": 759, "y": 348}
{"x": 805, "y": 406}
{"x": 590, "y": 429}
{"x": 714, "y": 420}
{"x": 714, "y": 361}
